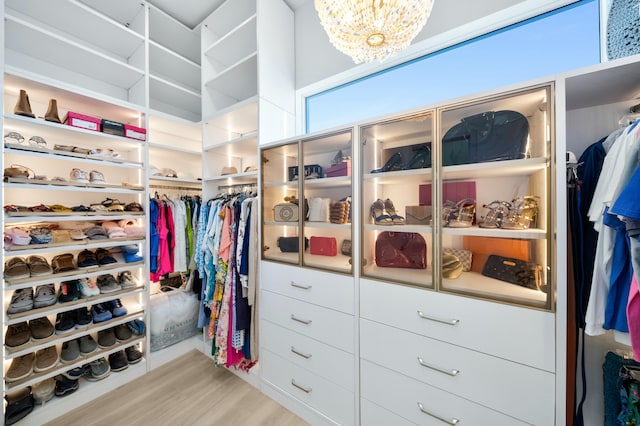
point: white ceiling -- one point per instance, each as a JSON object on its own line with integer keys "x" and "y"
{"x": 192, "y": 12}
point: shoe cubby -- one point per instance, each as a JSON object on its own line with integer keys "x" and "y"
{"x": 307, "y": 200}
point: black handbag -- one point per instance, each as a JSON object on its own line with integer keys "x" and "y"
{"x": 490, "y": 136}
{"x": 291, "y": 244}
{"x": 514, "y": 271}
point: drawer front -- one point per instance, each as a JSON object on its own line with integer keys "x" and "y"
{"x": 485, "y": 379}
{"x": 333, "y": 291}
{"x": 324, "y": 396}
{"x": 326, "y": 325}
{"x": 373, "y": 415}
{"x": 331, "y": 363}
{"x": 523, "y": 335}
{"x": 424, "y": 404}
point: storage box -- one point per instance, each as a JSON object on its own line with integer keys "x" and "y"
{"x": 340, "y": 169}
{"x": 308, "y": 169}
{"x": 174, "y": 317}
{"x": 111, "y": 127}
{"x": 451, "y": 191}
{"x": 82, "y": 121}
{"x": 134, "y": 132}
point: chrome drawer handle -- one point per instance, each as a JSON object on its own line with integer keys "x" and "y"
{"x": 302, "y": 388}
{"x": 302, "y": 354}
{"x": 453, "y": 372}
{"x": 302, "y": 286}
{"x": 452, "y": 422}
{"x": 295, "y": 318}
{"x": 443, "y": 321}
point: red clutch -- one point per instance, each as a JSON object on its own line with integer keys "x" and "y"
{"x": 323, "y": 246}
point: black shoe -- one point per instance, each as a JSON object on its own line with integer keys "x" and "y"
{"x": 83, "y": 317}
{"x": 394, "y": 163}
{"x": 65, "y": 386}
{"x": 421, "y": 160}
{"x": 118, "y": 361}
{"x": 65, "y": 322}
{"x": 133, "y": 354}
{"x": 19, "y": 404}
{"x": 69, "y": 291}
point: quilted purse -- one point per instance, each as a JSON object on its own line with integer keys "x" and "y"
{"x": 323, "y": 246}
{"x": 465, "y": 257}
{"x": 514, "y": 271}
{"x": 401, "y": 250}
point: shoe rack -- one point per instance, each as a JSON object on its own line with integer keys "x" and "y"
{"x": 122, "y": 162}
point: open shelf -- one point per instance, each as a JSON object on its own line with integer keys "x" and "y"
{"x": 237, "y": 83}
{"x": 235, "y": 45}
{"x": 167, "y": 31}
{"x": 172, "y": 66}
{"x": 174, "y": 98}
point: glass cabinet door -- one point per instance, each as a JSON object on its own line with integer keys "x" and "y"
{"x": 281, "y": 214}
{"x": 495, "y": 229}
{"x": 327, "y": 194}
{"x": 397, "y": 177}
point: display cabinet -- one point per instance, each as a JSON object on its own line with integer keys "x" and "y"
{"x": 307, "y": 194}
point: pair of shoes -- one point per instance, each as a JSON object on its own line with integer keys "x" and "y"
{"x": 97, "y": 370}
{"x": 22, "y": 332}
{"x": 108, "y": 284}
{"x": 522, "y": 215}
{"x": 100, "y": 313}
{"x": 65, "y": 385}
{"x": 384, "y": 213}
{"x": 23, "y": 107}
{"x": 68, "y": 321}
{"x": 460, "y": 214}
{"x": 421, "y": 159}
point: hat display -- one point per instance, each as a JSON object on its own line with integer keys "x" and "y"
{"x": 229, "y": 170}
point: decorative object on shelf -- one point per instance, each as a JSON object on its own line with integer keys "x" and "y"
{"x": 339, "y": 168}
{"x": 319, "y": 209}
{"x": 489, "y": 136}
{"x": 228, "y": 170}
{"x": 111, "y": 127}
{"x": 52, "y": 112}
{"x": 339, "y": 211}
{"x": 368, "y": 30}
{"x": 323, "y": 246}
{"x": 522, "y": 215}
{"x": 391, "y": 211}
{"x": 401, "y": 250}
{"x": 291, "y": 244}
{"x": 451, "y": 266}
{"x": 465, "y": 256}
{"x": 418, "y": 215}
{"x": 311, "y": 171}
{"x": 14, "y": 137}
{"x": 23, "y": 106}
{"x": 514, "y": 271}
{"x": 285, "y": 212}
{"x": 37, "y": 141}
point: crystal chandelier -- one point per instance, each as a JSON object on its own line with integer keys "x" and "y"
{"x": 372, "y": 29}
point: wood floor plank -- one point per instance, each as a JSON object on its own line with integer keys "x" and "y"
{"x": 187, "y": 391}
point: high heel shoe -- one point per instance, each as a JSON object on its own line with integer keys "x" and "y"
{"x": 391, "y": 211}
{"x": 522, "y": 214}
{"x": 497, "y": 211}
{"x": 378, "y": 215}
{"x": 464, "y": 214}
{"x": 448, "y": 211}
{"x": 421, "y": 160}
{"x": 394, "y": 163}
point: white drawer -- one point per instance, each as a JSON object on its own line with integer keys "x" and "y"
{"x": 518, "y": 334}
{"x": 373, "y": 415}
{"x": 334, "y": 291}
{"x": 485, "y": 379}
{"x": 324, "y": 396}
{"x": 408, "y": 398}
{"x": 319, "y": 358}
{"x": 326, "y": 325}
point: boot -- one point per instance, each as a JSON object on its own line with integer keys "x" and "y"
{"x": 23, "y": 107}
{"x": 52, "y": 112}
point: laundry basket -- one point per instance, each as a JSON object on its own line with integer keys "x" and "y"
{"x": 174, "y": 318}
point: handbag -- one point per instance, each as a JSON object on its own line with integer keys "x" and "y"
{"x": 401, "y": 250}
{"x": 319, "y": 209}
{"x": 465, "y": 257}
{"x": 285, "y": 212}
{"x": 489, "y": 136}
{"x": 324, "y": 246}
{"x": 514, "y": 271}
{"x": 417, "y": 215}
{"x": 291, "y": 244}
{"x": 345, "y": 248}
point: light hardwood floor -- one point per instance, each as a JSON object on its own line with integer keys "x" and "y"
{"x": 187, "y": 391}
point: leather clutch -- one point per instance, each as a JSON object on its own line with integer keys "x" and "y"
{"x": 323, "y": 246}
{"x": 418, "y": 215}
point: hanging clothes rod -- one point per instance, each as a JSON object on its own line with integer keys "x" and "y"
{"x": 175, "y": 188}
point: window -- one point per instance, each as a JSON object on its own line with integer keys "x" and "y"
{"x": 557, "y": 41}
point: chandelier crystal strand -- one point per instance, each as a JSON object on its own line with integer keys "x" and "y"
{"x": 372, "y": 29}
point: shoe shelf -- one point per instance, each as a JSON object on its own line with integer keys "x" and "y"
{"x": 36, "y": 345}
{"x": 79, "y": 245}
{"x": 28, "y": 183}
{"x": 88, "y": 272}
{"x": 28, "y": 218}
{"x": 62, "y": 367}
{"x": 15, "y": 149}
{"x": 56, "y": 308}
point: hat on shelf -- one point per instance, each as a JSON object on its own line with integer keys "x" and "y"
{"x": 166, "y": 172}
{"x": 251, "y": 169}
{"x": 229, "y": 170}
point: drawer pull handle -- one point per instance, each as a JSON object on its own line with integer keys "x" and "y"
{"x": 452, "y": 422}
{"x": 302, "y": 388}
{"x": 302, "y": 354}
{"x": 452, "y": 372}
{"x": 295, "y": 318}
{"x": 302, "y": 286}
{"x": 443, "y": 321}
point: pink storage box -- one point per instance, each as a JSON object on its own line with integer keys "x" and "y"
{"x": 134, "y": 132}
{"x": 451, "y": 191}
{"x": 82, "y": 121}
{"x": 340, "y": 169}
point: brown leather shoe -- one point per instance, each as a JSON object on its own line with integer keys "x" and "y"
{"x": 23, "y": 107}
{"x": 52, "y": 112}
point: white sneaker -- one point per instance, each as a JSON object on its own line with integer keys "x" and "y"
{"x": 96, "y": 177}
{"x": 88, "y": 288}
{"x": 77, "y": 175}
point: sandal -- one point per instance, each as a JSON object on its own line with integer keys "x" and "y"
{"x": 41, "y": 235}
{"x": 522, "y": 215}
{"x": 18, "y": 171}
{"x": 40, "y": 208}
{"x": 104, "y": 257}
{"x": 497, "y": 211}
{"x": 391, "y": 210}
{"x": 17, "y": 236}
{"x": 14, "y": 137}
{"x": 378, "y": 213}
{"x": 38, "y": 265}
{"x": 63, "y": 262}
{"x": 464, "y": 215}
{"x": 134, "y": 207}
{"x": 16, "y": 268}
